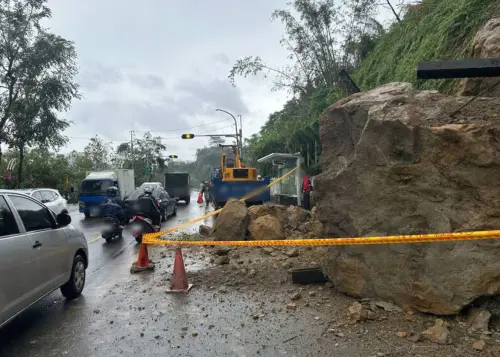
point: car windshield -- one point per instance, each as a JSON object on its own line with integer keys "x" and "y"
{"x": 134, "y": 195}
{"x": 95, "y": 187}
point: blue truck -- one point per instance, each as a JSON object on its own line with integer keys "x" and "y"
{"x": 234, "y": 180}
{"x": 221, "y": 191}
{"x": 92, "y": 190}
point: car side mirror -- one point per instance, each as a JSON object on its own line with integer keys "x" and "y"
{"x": 63, "y": 219}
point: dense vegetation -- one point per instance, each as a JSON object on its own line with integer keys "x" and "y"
{"x": 426, "y": 30}
{"x": 434, "y": 29}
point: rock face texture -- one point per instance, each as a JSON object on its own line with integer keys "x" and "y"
{"x": 486, "y": 44}
{"x": 395, "y": 162}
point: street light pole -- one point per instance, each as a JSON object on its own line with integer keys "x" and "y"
{"x": 241, "y": 136}
{"x": 238, "y": 141}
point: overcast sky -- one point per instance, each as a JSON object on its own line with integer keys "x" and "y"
{"x": 162, "y": 66}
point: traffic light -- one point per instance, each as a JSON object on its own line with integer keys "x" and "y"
{"x": 148, "y": 170}
{"x": 173, "y": 156}
{"x": 187, "y": 136}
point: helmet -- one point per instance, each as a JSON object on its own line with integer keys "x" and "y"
{"x": 147, "y": 191}
{"x": 259, "y": 177}
{"x": 112, "y": 191}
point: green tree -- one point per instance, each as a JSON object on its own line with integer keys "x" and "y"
{"x": 30, "y": 58}
{"x": 99, "y": 153}
{"x": 318, "y": 37}
{"x": 48, "y": 89}
{"x": 148, "y": 151}
{"x": 322, "y": 38}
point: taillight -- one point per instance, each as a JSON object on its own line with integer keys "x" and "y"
{"x": 158, "y": 203}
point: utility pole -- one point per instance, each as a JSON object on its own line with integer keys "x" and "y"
{"x": 132, "y": 147}
{"x": 241, "y": 136}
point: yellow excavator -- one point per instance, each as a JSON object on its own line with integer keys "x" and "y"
{"x": 234, "y": 180}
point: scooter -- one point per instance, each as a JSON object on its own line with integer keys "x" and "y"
{"x": 111, "y": 229}
{"x": 142, "y": 225}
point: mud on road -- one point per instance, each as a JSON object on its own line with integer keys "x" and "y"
{"x": 243, "y": 303}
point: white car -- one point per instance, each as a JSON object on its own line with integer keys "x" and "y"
{"x": 49, "y": 197}
{"x": 151, "y": 185}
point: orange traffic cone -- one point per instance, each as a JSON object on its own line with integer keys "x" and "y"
{"x": 143, "y": 263}
{"x": 179, "y": 278}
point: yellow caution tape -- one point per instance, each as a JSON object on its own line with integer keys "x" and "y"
{"x": 150, "y": 237}
{"x": 400, "y": 239}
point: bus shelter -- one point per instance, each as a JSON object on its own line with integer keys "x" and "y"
{"x": 287, "y": 191}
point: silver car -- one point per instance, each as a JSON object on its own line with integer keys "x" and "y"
{"x": 39, "y": 253}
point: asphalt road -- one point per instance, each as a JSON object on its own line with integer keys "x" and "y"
{"x": 51, "y": 327}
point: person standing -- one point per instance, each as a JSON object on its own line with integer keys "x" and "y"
{"x": 306, "y": 192}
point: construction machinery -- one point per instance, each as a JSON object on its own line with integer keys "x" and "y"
{"x": 234, "y": 180}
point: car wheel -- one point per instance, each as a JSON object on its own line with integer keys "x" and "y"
{"x": 174, "y": 213}
{"x": 164, "y": 216}
{"x": 187, "y": 200}
{"x": 87, "y": 214}
{"x": 74, "y": 287}
{"x": 108, "y": 240}
{"x": 138, "y": 239}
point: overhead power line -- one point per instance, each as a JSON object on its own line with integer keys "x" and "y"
{"x": 192, "y": 127}
{"x": 128, "y": 140}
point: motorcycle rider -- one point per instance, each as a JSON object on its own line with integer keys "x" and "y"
{"x": 148, "y": 207}
{"x": 113, "y": 206}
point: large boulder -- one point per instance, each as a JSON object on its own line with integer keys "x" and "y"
{"x": 394, "y": 162}
{"x": 266, "y": 228}
{"x": 232, "y": 222}
{"x": 486, "y": 44}
{"x": 273, "y": 209}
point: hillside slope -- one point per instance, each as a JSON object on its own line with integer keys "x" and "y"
{"x": 434, "y": 29}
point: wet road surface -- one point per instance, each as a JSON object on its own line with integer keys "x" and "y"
{"x": 120, "y": 314}
{"x": 39, "y": 330}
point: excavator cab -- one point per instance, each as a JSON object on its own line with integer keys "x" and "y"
{"x": 232, "y": 167}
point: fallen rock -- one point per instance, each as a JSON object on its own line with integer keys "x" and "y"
{"x": 438, "y": 333}
{"x": 296, "y": 296}
{"x": 387, "y": 306}
{"x": 266, "y": 228}
{"x": 292, "y": 253}
{"x": 358, "y": 312}
{"x": 485, "y": 45}
{"x": 478, "y": 319}
{"x": 205, "y": 230}
{"x": 232, "y": 222}
{"x": 415, "y": 337}
{"x": 222, "y": 260}
{"x": 314, "y": 210}
{"x": 272, "y": 209}
{"x": 297, "y": 216}
{"x": 394, "y": 162}
{"x": 268, "y": 250}
{"x": 291, "y": 306}
{"x": 479, "y": 345}
{"x": 402, "y": 334}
